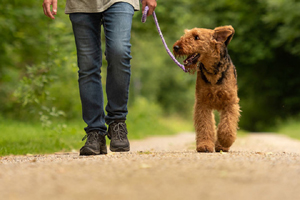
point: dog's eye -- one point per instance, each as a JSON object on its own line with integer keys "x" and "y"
{"x": 197, "y": 37}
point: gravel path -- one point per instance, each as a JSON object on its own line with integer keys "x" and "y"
{"x": 259, "y": 167}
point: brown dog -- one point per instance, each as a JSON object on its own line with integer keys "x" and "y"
{"x": 216, "y": 86}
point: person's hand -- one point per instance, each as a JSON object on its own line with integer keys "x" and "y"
{"x": 151, "y": 4}
{"x": 47, "y": 8}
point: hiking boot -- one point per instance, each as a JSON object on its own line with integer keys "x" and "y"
{"x": 117, "y": 133}
{"x": 94, "y": 145}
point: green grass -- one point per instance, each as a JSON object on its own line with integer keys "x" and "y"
{"x": 31, "y": 138}
{"x": 20, "y": 138}
{"x": 145, "y": 119}
{"x": 242, "y": 133}
{"x": 290, "y": 128}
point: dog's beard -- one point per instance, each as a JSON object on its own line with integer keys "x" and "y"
{"x": 192, "y": 68}
{"x": 190, "y": 62}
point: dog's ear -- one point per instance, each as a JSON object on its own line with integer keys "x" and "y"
{"x": 223, "y": 34}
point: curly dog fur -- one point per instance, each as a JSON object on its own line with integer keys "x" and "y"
{"x": 216, "y": 85}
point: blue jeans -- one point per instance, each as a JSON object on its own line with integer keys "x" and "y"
{"x": 116, "y": 23}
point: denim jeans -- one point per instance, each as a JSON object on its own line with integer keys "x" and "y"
{"x": 116, "y": 22}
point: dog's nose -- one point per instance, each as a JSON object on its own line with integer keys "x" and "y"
{"x": 176, "y": 48}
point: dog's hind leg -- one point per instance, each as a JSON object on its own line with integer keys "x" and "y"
{"x": 227, "y": 127}
{"x": 205, "y": 129}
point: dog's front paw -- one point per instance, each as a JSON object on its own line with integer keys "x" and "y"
{"x": 205, "y": 147}
{"x": 219, "y": 147}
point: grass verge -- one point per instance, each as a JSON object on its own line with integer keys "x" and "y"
{"x": 20, "y": 138}
{"x": 290, "y": 128}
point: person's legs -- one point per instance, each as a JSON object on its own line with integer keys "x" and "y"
{"x": 87, "y": 28}
{"x": 117, "y": 22}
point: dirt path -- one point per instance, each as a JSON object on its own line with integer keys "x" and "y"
{"x": 259, "y": 167}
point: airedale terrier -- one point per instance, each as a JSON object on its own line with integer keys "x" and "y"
{"x": 216, "y": 86}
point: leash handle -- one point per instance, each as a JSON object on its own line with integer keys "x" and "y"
{"x": 144, "y": 18}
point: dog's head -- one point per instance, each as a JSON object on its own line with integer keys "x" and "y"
{"x": 202, "y": 45}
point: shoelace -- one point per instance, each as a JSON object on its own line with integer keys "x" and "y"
{"x": 120, "y": 129}
{"x": 89, "y": 136}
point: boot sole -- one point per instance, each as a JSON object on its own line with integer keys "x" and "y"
{"x": 120, "y": 149}
{"x": 86, "y": 151}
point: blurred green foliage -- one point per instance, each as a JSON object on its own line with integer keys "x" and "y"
{"x": 38, "y": 70}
